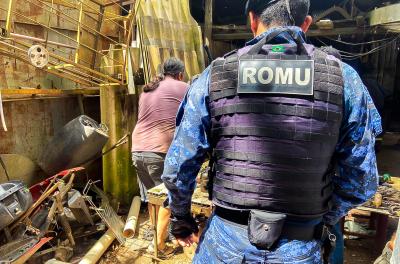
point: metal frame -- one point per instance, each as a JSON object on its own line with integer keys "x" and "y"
{"x": 15, "y": 45}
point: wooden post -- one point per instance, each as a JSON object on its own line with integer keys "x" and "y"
{"x": 208, "y": 24}
{"x": 119, "y": 113}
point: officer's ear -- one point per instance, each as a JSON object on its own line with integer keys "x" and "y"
{"x": 254, "y": 22}
{"x": 306, "y": 24}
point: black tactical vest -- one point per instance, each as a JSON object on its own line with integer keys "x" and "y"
{"x": 276, "y": 113}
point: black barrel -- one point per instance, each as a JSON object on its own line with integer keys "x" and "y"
{"x": 76, "y": 143}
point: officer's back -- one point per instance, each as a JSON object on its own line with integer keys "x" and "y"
{"x": 278, "y": 116}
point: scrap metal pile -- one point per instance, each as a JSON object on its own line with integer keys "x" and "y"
{"x": 386, "y": 198}
{"x": 46, "y": 221}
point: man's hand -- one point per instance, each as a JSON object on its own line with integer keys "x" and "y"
{"x": 185, "y": 229}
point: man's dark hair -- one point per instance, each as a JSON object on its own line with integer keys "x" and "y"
{"x": 171, "y": 67}
{"x": 277, "y": 12}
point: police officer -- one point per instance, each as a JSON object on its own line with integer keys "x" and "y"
{"x": 280, "y": 117}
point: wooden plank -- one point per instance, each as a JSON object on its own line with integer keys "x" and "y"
{"x": 208, "y": 23}
{"x": 50, "y": 92}
{"x": 374, "y": 210}
{"x": 311, "y": 33}
{"x": 384, "y": 15}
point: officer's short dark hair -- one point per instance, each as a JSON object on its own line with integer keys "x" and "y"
{"x": 278, "y": 14}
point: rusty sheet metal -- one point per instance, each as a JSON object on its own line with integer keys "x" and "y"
{"x": 32, "y": 123}
{"x": 169, "y": 30}
{"x": 58, "y": 22}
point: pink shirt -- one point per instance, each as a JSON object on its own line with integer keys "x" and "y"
{"x": 155, "y": 128}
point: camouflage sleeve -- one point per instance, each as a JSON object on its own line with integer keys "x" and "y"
{"x": 189, "y": 146}
{"x": 357, "y": 176}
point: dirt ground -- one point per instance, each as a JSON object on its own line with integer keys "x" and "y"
{"x": 134, "y": 251}
{"x": 356, "y": 250}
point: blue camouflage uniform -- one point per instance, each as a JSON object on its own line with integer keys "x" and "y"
{"x": 355, "y": 183}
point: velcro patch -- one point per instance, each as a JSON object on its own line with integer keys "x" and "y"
{"x": 276, "y": 76}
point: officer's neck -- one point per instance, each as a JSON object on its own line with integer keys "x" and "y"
{"x": 263, "y": 28}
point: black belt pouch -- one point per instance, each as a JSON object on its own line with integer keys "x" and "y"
{"x": 265, "y": 228}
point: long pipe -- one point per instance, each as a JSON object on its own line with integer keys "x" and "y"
{"x": 94, "y": 254}
{"x": 67, "y": 61}
{"x": 131, "y": 222}
{"x": 42, "y": 40}
{"x": 57, "y": 32}
{"x": 3, "y": 120}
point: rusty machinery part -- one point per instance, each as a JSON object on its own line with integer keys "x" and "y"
{"x": 105, "y": 211}
{"x": 63, "y": 253}
{"x": 15, "y": 199}
{"x": 38, "y": 56}
{"x": 14, "y": 250}
{"x": 78, "y": 207}
{"x": 76, "y": 143}
{"x": 388, "y": 198}
{"x": 62, "y": 219}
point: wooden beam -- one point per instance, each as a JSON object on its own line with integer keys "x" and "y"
{"x": 208, "y": 23}
{"x": 50, "y": 92}
{"x": 311, "y": 33}
{"x": 384, "y": 15}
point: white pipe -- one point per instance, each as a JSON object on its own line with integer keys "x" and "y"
{"x": 131, "y": 222}
{"x": 3, "y": 119}
{"x": 95, "y": 253}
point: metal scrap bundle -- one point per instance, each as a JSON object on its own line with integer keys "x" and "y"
{"x": 388, "y": 198}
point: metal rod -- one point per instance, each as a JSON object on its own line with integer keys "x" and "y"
{"x": 96, "y": 41}
{"x": 9, "y": 18}
{"x": 48, "y": 22}
{"x": 48, "y": 42}
{"x": 113, "y": 80}
{"x": 56, "y": 64}
{"x": 115, "y": 3}
{"x": 97, "y": 12}
{"x": 41, "y": 24}
{"x": 131, "y": 24}
{"x": 78, "y": 33}
{"x": 79, "y": 20}
{"x": 85, "y": 80}
{"x": 41, "y": 40}
{"x": 10, "y": 54}
{"x": 89, "y": 9}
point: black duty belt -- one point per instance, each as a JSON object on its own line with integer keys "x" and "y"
{"x": 289, "y": 231}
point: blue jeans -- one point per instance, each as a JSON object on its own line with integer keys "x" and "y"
{"x": 226, "y": 242}
{"x": 338, "y": 254}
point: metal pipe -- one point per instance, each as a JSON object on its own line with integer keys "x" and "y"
{"x": 78, "y": 33}
{"x": 79, "y": 21}
{"x": 3, "y": 120}
{"x": 115, "y": 3}
{"x": 48, "y": 22}
{"x": 57, "y": 32}
{"x": 95, "y": 253}
{"x": 42, "y": 40}
{"x": 9, "y": 19}
{"x": 131, "y": 222}
{"x": 89, "y": 7}
{"x": 101, "y": 75}
{"x": 13, "y": 55}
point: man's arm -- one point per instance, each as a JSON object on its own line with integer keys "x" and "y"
{"x": 189, "y": 146}
{"x": 357, "y": 177}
